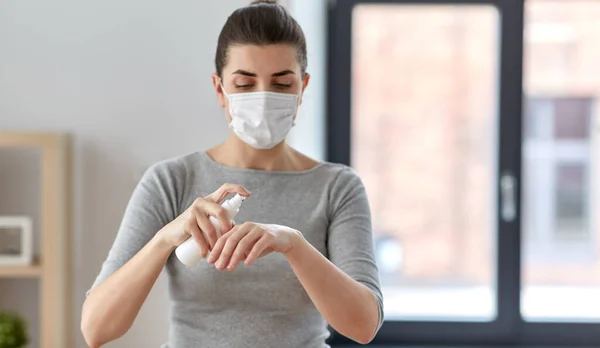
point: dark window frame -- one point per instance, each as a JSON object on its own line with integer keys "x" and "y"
{"x": 509, "y": 327}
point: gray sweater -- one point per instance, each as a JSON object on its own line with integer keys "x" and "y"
{"x": 262, "y": 305}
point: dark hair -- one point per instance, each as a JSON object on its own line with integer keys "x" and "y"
{"x": 263, "y": 22}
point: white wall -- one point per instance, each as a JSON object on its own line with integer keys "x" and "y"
{"x": 130, "y": 80}
{"x": 310, "y": 132}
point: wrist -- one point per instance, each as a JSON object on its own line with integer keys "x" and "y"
{"x": 162, "y": 243}
{"x": 297, "y": 243}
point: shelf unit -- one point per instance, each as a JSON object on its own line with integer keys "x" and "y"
{"x": 32, "y": 271}
{"x": 53, "y": 266}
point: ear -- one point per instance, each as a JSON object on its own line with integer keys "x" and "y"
{"x": 304, "y": 85}
{"x": 216, "y": 80}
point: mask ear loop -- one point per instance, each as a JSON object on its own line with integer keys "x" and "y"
{"x": 226, "y": 96}
{"x": 223, "y": 87}
{"x": 298, "y": 98}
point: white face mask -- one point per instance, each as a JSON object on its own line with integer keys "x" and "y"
{"x": 262, "y": 119}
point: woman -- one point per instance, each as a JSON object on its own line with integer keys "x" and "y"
{"x": 300, "y": 255}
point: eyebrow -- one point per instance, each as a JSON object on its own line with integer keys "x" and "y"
{"x": 277, "y": 74}
{"x": 283, "y": 73}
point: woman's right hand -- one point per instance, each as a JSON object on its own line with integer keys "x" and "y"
{"x": 194, "y": 220}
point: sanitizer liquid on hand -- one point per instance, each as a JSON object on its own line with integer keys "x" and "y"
{"x": 189, "y": 251}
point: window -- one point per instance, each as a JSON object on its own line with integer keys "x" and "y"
{"x": 432, "y": 201}
{"x": 561, "y": 261}
{"x": 482, "y": 196}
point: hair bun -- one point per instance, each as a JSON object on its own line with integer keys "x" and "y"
{"x": 270, "y": 2}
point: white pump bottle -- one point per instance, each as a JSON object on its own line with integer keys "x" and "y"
{"x": 189, "y": 252}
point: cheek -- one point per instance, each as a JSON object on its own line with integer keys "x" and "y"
{"x": 224, "y": 103}
{"x": 226, "y": 107}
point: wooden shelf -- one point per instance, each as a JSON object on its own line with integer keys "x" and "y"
{"x": 55, "y": 303}
{"x": 33, "y": 271}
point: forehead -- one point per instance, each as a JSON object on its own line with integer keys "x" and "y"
{"x": 260, "y": 60}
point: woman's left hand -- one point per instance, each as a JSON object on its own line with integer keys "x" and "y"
{"x": 251, "y": 241}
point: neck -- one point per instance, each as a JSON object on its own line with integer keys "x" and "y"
{"x": 235, "y": 153}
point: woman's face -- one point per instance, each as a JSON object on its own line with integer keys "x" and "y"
{"x": 252, "y": 68}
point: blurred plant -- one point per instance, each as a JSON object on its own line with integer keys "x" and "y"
{"x": 13, "y": 331}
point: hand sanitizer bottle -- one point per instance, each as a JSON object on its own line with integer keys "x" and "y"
{"x": 189, "y": 251}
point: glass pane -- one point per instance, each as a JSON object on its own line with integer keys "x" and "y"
{"x": 561, "y": 263}
{"x": 571, "y": 218}
{"x": 539, "y": 111}
{"x": 424, "y": 127}
{"x": 572, "y": 118}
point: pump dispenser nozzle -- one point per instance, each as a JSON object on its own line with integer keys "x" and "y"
{"x": 234, "y": 203}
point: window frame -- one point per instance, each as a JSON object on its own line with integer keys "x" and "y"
{"x": 509, "y": 326}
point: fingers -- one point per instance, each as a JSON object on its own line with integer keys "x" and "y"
{"x": 191, "y": 228}
{"x": 201, "y": 208}
{"x": 260, "y": 249}
{"x": 217, "y": 211}
{"x": 223, "y": 191}
{"x": 216, "y": 251}
{"x": 210, "y": 234}
{"x": 244, "y": 246}
{"x": 230, "y": 243}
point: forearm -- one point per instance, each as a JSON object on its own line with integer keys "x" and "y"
{"x": 348, "y": 306}
{"x": 111, "y": 307}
